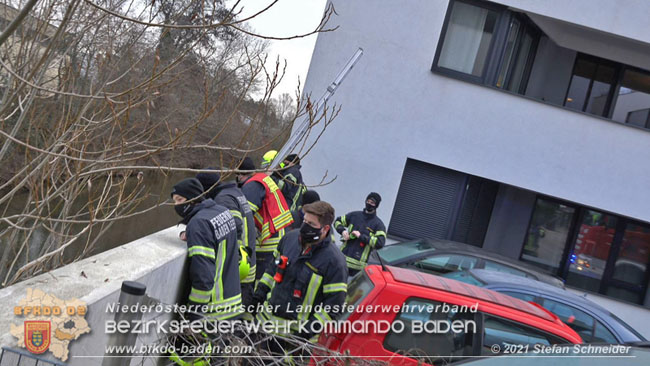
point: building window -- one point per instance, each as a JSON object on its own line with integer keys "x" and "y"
{"x": 629, "y": 277}
{"x": 468, "y": 38}
{"x": 590, "y": 249}
{"x": 489, "y": 44}
{"x": 633, "y": 99}
{"x": 592, "y": 85}
{"x": 518, "y": 55}
{"x": 548, "y": 233}
{"x": 485, "y": 43}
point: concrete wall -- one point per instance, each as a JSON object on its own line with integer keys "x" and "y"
{"x": 394, "y": 108}
{"x": 511, "y": 214}
{"x": 157, "y": 260}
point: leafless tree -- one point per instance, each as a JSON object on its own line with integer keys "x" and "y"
{"x": 94, "y": 94}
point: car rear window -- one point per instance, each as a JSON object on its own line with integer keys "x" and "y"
{"x": 396, "y": 252}
{"x": 358, "y": 289}
{"x": 499, "y": 334}
{"x": 439, "y": 264}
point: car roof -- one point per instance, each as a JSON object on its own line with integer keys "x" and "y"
{"x": 506, "y": 281}
{"x": 448, "y": 245}
{"x": 448, "y": 285}
{"x": 501, "y": 279}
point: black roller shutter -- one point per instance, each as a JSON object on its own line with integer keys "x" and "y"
{"x": 426, "y": 201}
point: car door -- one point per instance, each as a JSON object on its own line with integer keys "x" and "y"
{"x": 420, "y": 344}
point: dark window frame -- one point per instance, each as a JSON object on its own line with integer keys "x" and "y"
{"x": 621, "y": 73}
{"x": 607, "y": 279}
{"x": 613, "y": 93}
{"x": 526, "y": 26}
{"x": 497, "y": 48}
{"x": 495, "y": 58}
{"x": 481, "y": 326}
{"x": 572, "y": 226}
{"x": 492, "y": 49}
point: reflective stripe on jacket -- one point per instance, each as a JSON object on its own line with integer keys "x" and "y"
{"x": 233, "y": 199}
{"x": 273, "y": 214}
{"x": 373, "y": 236}
{"x": 213, "y": 274}
{"x": 313, "y": 287}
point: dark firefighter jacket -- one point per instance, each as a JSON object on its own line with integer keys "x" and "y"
{"x": 373, "y": 236}
{"x": 315, "y": 277}
{"x": 290, "y": 182}
{"x": 214, "y": 260}
{"x": 233, "y": 199}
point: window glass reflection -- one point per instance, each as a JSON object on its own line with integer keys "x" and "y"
{"x": 633, "y": 101}
{"x": 467, "y": 41}
{"x": 591, "y": 250}
{"x": 508, "y": 55}
{"x": 631, "y": 263}
{"x": 547, "y": 234}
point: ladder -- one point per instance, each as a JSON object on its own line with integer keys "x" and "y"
{"x": 300, "y": 132}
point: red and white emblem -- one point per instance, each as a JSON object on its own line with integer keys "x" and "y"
{"x": 37, "y": 335}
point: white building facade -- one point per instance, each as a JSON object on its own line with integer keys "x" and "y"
{"x": 519, "y": 126}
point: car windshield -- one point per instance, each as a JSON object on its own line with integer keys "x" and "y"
{"x": 358, "y": 289}
{"x": 463, "y": 277}
{"x": 396, "y": 252}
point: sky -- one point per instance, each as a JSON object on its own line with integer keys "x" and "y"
{"x": 288, "y": 18}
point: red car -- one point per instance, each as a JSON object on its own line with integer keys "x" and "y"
{"x": 458, "y": 320}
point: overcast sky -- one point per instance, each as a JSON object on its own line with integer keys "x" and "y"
{"x": 288, "y": 18}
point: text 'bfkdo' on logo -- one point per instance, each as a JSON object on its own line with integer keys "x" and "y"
{"x": 48, "y": 323}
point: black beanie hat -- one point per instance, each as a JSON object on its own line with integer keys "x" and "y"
{"x": 293, "y": 158}
{"x": 247, "y": 164}
{"x": 189, "y": 188}
{"x": 375, "y": 197}
{"x": 310, "y": 197}
{"x": 208, "y": 179}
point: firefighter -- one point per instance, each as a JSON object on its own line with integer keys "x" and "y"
{"x": 289, "y": 180}
{"x": 361, "y": 232}
{"x": 267, "y": 158}
{"x": 212, "y": 250}
{"x": 271, "y": 214}
{"x": 227, "y": 194}
{"x": 308, "y": 282}
{"x": 246, "y": 164}
{"x": 310, "y": 196}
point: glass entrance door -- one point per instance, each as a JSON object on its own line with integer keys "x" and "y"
{"x": 591, "y": 250}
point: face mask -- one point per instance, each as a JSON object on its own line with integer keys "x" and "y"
{"x": 308, "y": 233}
{"x": 240, "y": 180}
{"x": 183, "y": 209}
{"x": 370, "y": 208}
